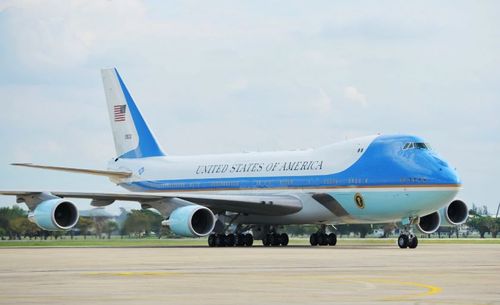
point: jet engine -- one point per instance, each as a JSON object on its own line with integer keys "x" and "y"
{"x": 429, "y": 224}
{"x": 55, "y": 215}
{"x": 456, "y": 213}
{"x": 191, "y": 221}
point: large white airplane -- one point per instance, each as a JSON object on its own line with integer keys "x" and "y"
{"x": 236, "y": 198}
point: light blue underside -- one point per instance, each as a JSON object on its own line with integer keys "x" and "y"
{"x": 380, "y": 206}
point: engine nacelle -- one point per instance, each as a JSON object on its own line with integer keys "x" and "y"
{"x": 429, "y": 224}
{"x": 191, "y": 221}
{"x": 456, "y": 213}
{"x": 55, "y": 215}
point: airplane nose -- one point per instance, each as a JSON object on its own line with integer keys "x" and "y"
{"x": 446, "y": 173}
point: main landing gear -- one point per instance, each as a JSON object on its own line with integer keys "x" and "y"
{"x": 230, "y": 240}
{"x": 275, "y": 239}
{"x": 321, "y": 238}
{"x": 407, "y": 240}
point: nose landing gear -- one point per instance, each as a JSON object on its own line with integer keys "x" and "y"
{"x": 407, "y": 240}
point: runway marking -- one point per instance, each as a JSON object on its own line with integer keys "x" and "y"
{"x": 370, "y": 283}
{"x": 133, "y": 273}
{"x": 431, "y": 290}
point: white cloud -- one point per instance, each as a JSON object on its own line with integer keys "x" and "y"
{"x": 64, "y": 34}
{"x": 354, "y": 95}
{"x": 323, "y": 103}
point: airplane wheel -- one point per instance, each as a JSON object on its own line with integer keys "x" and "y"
{"x": 266, "y": 240}
{"x": 413, "y": 242}
{"x": 230, "y": 240}
{"x": 275, "y": 240}
{"x": 403, "y": 241}
{"x": 240, "y": 240}
{"x": 248, "y": 238}
{"x": 313, "y": 239}
{"x": 322, "y": 239}
{"x": 332, "y": 239}
{"x": 211, "y": 240}
{"x": 284, "y": 239}
{"x": 220, "y": 240}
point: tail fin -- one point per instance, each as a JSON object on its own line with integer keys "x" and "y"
{"x": 131, "y": 133}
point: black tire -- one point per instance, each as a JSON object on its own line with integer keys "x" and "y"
{"x": 240, "y": 240}
{"x": 220, "y": 240}
{"x": 275, "y": 240}
{"x": 248, "y": 239}
{"x": 313, "y": 239}
{"x": 211, "y": 240}
{"x": 403, "y": 241}
{"x": 284, "y": 239}
{"x": 322, "y": 239}
{"x": 266, "y": 240}
{"x": 230, "y": 240}
{"x": 413, "y": 242}
{"x": 332, "y": 239}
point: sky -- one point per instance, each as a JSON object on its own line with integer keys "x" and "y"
{"x": 232, "y": 76}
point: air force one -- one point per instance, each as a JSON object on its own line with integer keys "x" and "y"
{"x": 235, "y": 199}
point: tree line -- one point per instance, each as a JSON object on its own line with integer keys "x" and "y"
{"x": 14, "y": 224}
{"x": 481, "y": 221}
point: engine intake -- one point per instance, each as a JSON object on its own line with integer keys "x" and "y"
{"x": 55, "y": 215}
{"x": 191, "y": 221}
{"x": 429, "y": 224}
{"x": 456, "y": 213}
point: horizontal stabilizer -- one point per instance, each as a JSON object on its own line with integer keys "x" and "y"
{"x": 106, "y": 173}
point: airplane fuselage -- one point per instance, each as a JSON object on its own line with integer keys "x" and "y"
{"x": 373, "y": 179}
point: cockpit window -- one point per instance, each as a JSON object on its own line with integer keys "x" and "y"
{"x": 416, "y": 145}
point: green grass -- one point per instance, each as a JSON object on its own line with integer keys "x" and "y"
{"x": 154, "y": 242}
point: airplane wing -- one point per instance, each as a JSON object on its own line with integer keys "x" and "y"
{"x": 106, "y": 173}
{"x": 271, "y": 205}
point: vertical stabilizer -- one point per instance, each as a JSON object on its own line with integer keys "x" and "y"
{"x": 131, "y": 133}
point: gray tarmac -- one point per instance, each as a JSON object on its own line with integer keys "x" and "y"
{"x": 371, "y": 274}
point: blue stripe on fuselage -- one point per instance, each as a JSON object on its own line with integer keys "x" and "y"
{"x": 383, "y": 164}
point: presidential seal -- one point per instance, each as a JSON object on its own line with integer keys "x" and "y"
{"x": 359, "y": 201}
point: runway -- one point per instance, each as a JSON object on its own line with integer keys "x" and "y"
{"x": 371, "y": 274}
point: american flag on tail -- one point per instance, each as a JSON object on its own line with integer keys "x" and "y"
{"x": 119, "y": 111}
